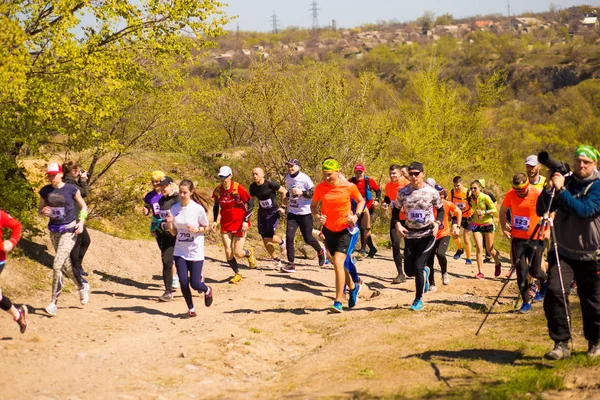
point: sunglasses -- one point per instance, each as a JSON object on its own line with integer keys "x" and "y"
{"x": 414, "y": 173}
{"x": 474, "y": 188}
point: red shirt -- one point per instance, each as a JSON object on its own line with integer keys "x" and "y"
{"x": 233, "y": 206}
{"x": 363, "y": 192}
{"x": 6, "y": 221}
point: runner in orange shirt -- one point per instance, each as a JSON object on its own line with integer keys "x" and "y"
{"x": 397, "y": 182}
{"x": 521, "y": 201}
{"x": 339, "y": 226}
{"x": 442, "y": 239}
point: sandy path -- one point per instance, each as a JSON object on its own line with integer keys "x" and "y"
{"x": 270, "y": 336}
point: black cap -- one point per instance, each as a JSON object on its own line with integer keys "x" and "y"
{"x": 293, "y": 161}
{"x": 415, "y": 165}
{"x": 166, "y": 181}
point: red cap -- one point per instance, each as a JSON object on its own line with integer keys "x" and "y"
{"x": 53, "y": 169}
{"x": 359, "y": 167}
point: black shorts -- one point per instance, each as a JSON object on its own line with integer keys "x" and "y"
{"x": 484, "y": 228}
{"x": 466, "y": 222}
{"x": 337, "y": 242}
{"x": 268, "y": 220}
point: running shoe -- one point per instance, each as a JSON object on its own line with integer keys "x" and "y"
{"x": 166, "y": 296}
{"x": 276, "y": 263}
{"x": 445, "y": 278}
{"x": 353, "y": 299}
{"x": 362, "y": 253}
{"x": 322, "y": 257}
{"x": 237, "y": 278}
{"x": 432, "y": 288}
{"x": 426, "y": 275}
{"x": 480, "y": 276}
{"x": 416, "y": 305}
{"x": 487, "y": 260}
{"x": 525, "y": 308}
{"x": 282, "y": 246}
{"x": 468, "y": 261}
{"x": 175, "y": 284}
{"x": 84, "y": 294}
{"x": 538, "y": 297}
{"x": 399, "y": 279}
{"x": 458, "y": 253}
{"x": 192, "y": 313}
{"x": 372, "y": 252}
{"x": 22, "y": 321}
{"x": 208, "y": 297}
{"x": 336, "y": 307}
{"x": 51, "y": 309}
{"x": 288, "y": 268}
{"x": 251, "y": 259}
{"x": 498, "y": 270}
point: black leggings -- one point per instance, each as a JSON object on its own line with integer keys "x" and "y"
{"x": 166, "y": 243}
{"x": 416, "y": 252}
{"x": 395, "y": 239}
{"x": 305, "y": 223}
{"x": 439, "y": 250}
{"x": 523, "y": 255}
{"x": 82, "y": 243}
{"x": 190, "y": 274}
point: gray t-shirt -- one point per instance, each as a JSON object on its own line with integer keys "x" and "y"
{"x": 418, "y": 205}
{"x": 299, "y": 205}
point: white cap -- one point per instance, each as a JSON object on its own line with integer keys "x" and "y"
{"x": 532, "y": 160}
{"x": 224, "y": 171}
{"x": 430, "y": 182}
{"x": 53, "y": 169}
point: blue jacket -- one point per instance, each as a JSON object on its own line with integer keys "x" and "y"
{"x": 577, "y": 219}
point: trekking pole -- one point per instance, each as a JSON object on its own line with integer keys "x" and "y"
{"x": 560, "y": 277}
{"x": 512, "y": 270}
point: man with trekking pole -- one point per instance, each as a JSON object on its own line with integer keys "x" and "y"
{"x": 575, "y": 250}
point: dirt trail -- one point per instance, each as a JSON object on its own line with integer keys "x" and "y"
{"x": 268, "y": 337}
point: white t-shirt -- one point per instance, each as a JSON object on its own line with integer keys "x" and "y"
{"x": 299, "y": 205}
{"x": 189, "y": 245}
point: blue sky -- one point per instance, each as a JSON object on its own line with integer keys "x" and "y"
{"x": 255, "y": 15}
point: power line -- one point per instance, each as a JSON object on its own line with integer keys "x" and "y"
{"x": 275, "y": 22}
{"x": 315, "y": 15}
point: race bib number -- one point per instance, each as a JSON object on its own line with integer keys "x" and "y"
{"x": 417, "y": 215}
{"x": 57, "y": 213}
{"x": 185, "y": 236}
{"x": 163, "y": 214}
{"x": 268, "y": 203}
{"x": 156, "y": 207}
{"x": 521, "y": 223}
{"x": 461, "y": 205}
{"x": 294, "y": 203}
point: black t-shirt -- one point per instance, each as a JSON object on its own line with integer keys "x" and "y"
{"x": 266, "y": 194}
{"x": 165, "y": 203}
{"x": 61, "y": 202}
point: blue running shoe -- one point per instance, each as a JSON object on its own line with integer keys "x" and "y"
{"x": 458, "y": 254}
{"x": 525, "y": 308}
{"x": 426, "y": 274}
{"x": 354, "y": 295}
{"x": 417, "y": 305}
{"x": 336, "y": 307}
{"x": 468, "y": 261}
{"x": 538, "y": 297}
